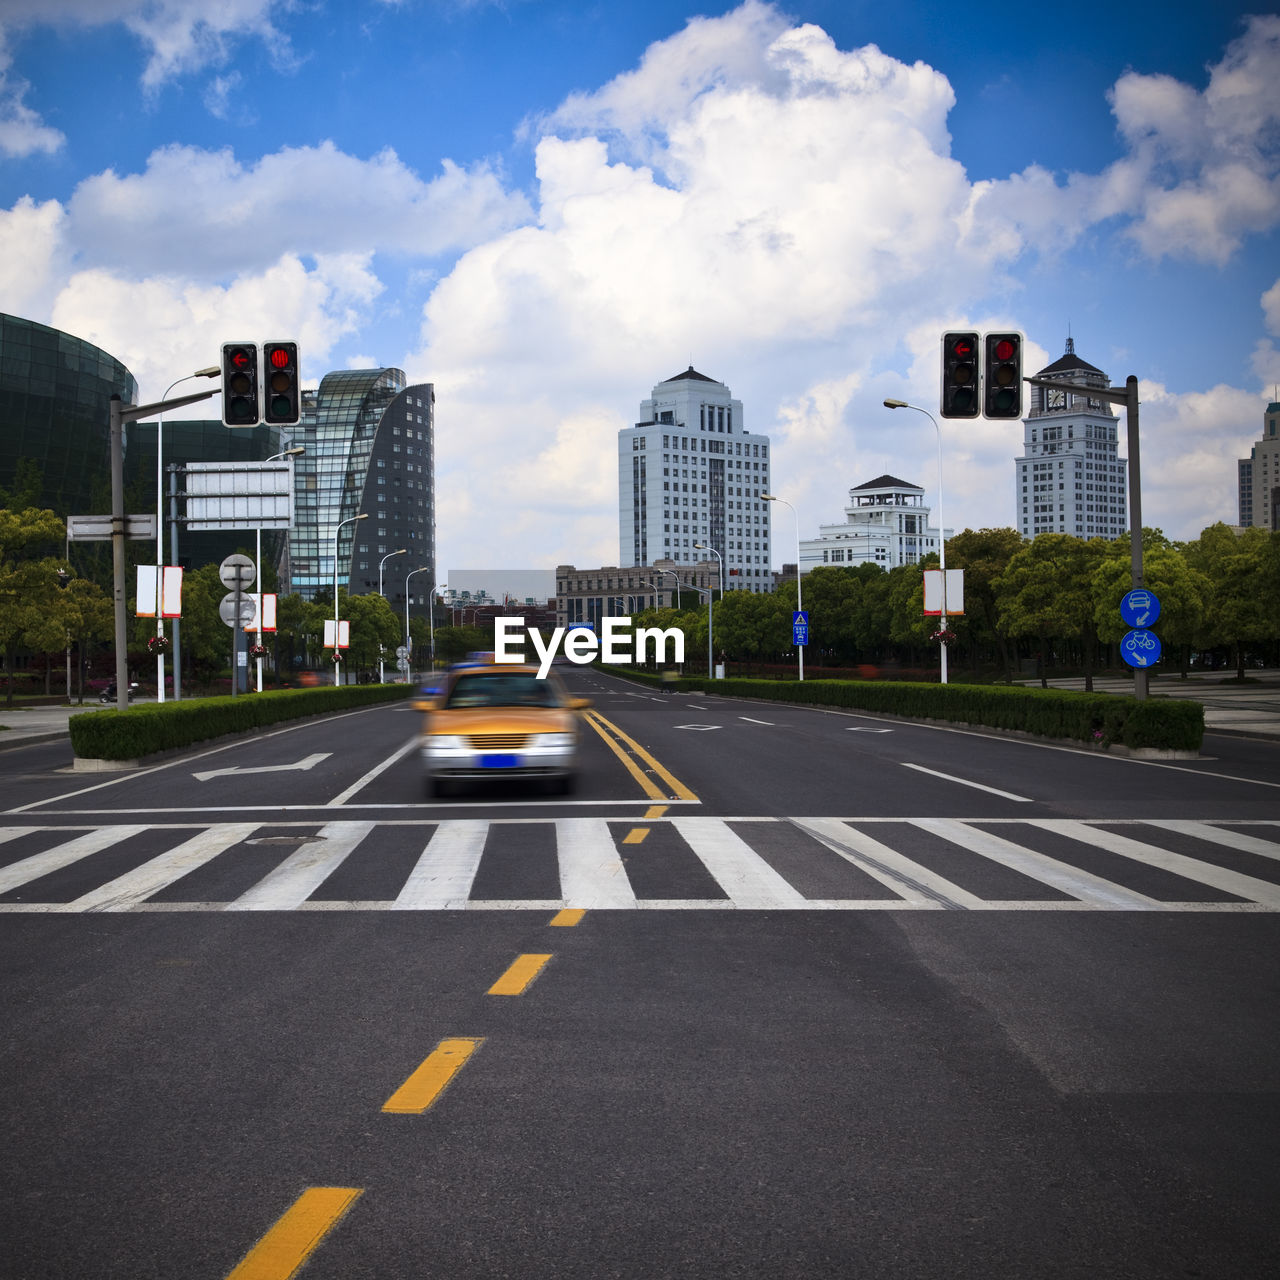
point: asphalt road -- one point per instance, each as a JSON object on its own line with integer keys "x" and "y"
{"x": 805, "y": 994}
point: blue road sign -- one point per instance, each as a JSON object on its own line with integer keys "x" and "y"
{"x": 799, "y": 627}
{"x": 1140, "y": 648}
{"x": 1139, "y": 608}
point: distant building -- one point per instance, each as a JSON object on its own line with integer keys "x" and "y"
{"x": 886, "y": 523}
{"x": 584, "y": 596}
{"x": 689, "y": 472}
{"x": 55, "y": 396}
{"x": 1069, "y": 478}
{"x": 494, "y": 586}
{"x": 1259, "y": 476}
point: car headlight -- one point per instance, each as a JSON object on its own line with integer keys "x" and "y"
{"x": 443, "y": 742}
{"x": 555, "y": 741}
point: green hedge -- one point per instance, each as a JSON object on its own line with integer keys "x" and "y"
{"x": 1050, "y": 713}
{"x": 144, "y": 730}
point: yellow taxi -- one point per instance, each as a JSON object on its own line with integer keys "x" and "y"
{"x": 488, "y": 721}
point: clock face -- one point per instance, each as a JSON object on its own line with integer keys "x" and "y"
{"x": 1055, "y": 399}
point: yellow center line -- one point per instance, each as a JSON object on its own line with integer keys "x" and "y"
{"x": 567, "y": 918}
{"x": 517, "y": 978}
{"x": 625, "y": 748}
{"x": 283, "y": 1250}
{"x": 636, "y": 835}
{"x": 655, "y": 811}
{"x": 428, "y": 1082}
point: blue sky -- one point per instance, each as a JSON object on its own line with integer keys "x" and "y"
{"x": 547, "y": 207}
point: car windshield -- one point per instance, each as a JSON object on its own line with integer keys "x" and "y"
{"x": 515, "y": 690}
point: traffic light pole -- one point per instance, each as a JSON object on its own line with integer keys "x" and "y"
{"x": 1129, "y": 398}
{"x": 120, "y": 414}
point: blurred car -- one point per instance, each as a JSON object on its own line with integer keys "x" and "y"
{"x": 487, "y": 721}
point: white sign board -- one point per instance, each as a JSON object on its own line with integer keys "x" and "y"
{"x": 169, "y": 579}
{"x": 98, "y": 528}
{"x": 239, "y": 495}
{"x": 337, "y": 635}
{"x": 933, "y": 601}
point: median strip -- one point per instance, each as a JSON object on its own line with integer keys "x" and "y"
{"x": 295, "y": 1236}
{"x": 429, "y": 1081}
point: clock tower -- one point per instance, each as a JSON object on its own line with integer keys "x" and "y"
{"x": 1069, "y": 477}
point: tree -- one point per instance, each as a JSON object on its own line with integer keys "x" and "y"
{"x": 30, "y": 614}
{"x": 984, "y": 554}
{"x": 1241, "y": 609}
{"x": 1047, "y": 592}
{"x": 86, "y": 611}
{"x": 375, "y": 630}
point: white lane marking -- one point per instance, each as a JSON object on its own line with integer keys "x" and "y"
{"x": 303, "y": 871}
{"x": 861, "y": 728}
{"x": 126, "y": 891}
{"x": 1039, "y": 866}
{"x": 1221, "y": 835}
{"x": 749, "y": 720}
{"x": 343, "y": 796}
{"x": 63, "y": 855}
{"x": 446, "y": 869}
{"x": 964, "y": 782}
{"x": 741, "y": 872}
{"x": 696, "y": 727}
{"x": 591, "y": 872}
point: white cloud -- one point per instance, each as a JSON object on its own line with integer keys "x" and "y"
{"x": 32, "y": 255}
{"x": 22, "y": 132}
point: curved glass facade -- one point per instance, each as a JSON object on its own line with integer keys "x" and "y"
{"x": 369, "y": 442}
{"x": 55, "y": 391}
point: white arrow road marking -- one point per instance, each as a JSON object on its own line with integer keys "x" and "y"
{"x": 697, "y": 726}
{"x": 309, "y": 762}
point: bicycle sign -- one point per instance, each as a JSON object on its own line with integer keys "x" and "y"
{"x": 1140, "y": 648}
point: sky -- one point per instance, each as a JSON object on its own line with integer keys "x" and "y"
{"x": 545, "y": 208}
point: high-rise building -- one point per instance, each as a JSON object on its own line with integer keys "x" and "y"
{"x": 1069, "y": 478}
{"x": 370, "y": 448}
{"x": 886, "y": 523}
{"x": 689, "y": 472}
{"x": 1259, "y": 475}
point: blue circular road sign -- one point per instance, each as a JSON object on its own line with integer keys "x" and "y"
{"x": 1139, "y": 608}
{"x": 1140, "y": 648}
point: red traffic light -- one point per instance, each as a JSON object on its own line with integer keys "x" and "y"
{"x": 1005, "y": 348}
{"x": 279, "y": 357}
{"x": 239, "y": 358}
{"x": 962, "y": 346}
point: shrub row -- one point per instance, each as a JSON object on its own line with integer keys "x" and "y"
{"x": 1052, "y": 713}
{"x": 145, "y": 730}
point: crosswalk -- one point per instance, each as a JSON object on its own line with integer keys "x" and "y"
{"x": 670, "y": 863}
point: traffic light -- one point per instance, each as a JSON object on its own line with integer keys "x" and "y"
{"x": 1003, "y": 384}
{"x": 960, "y": 375}
{"x": 239, "y": 384}
{"x": 280, "y": 368}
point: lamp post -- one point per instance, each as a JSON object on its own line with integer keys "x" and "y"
{"x": 702, "y": 591}
{"x": 364, "y": 515}
{"x": 294, "y": 452}
{"x": 403, "y": 551}
{"x": 702, "y": 546}
{"x": 769, "y": 497}
{"x": 212, "y": 371}
{"x": 431, "y": 620}
{"x": 942, "y": 533}
{"x": 408, "y": 644}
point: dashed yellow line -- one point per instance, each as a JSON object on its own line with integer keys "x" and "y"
{"x": 282, "y": 1251}
{"x": 629, "y": 751}
{"x": 516, "y": 980}
{"x": 636, "y": 835}
{"x": 567, "y": 918}
{"x": 430, "y": 1079}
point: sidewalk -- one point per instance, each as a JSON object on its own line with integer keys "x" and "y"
{"x": 22, "y": 726}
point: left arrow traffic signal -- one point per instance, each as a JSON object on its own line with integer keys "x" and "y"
{"x": 239, "y": 384}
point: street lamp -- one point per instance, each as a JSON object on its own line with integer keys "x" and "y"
{"x": 431, "y": 620}
{"x": 403, "y": 551}
{"x": 942, "y": 533}
{"x": 364, "y": 515}
{"x": 702, "y": 546}
{"x": 702, "y": 591}
{"x": 294, "y": 452}
{"x": 212, "y": 371}
{"x": 408, "y": 644}
{"x": 769, "y": 497}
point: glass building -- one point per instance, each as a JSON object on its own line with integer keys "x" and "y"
{"x": 55, "y": 391}
{"x": 370, "y": 449}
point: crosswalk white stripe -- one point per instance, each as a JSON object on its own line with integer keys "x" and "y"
{"x": 591, "y": 872}
{"x": 1039, "y": 866}
{"x": 304, "y": 870}
{"x": 62, "y": 855}
{"x": 1242, "y": 886}
{"x": 742, "y": 873}
{"x": 914, "y": 883}
{"x": 124, "y": 892}
{"x": 1231, "y": 837}
{"x": 446, "y": 869}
